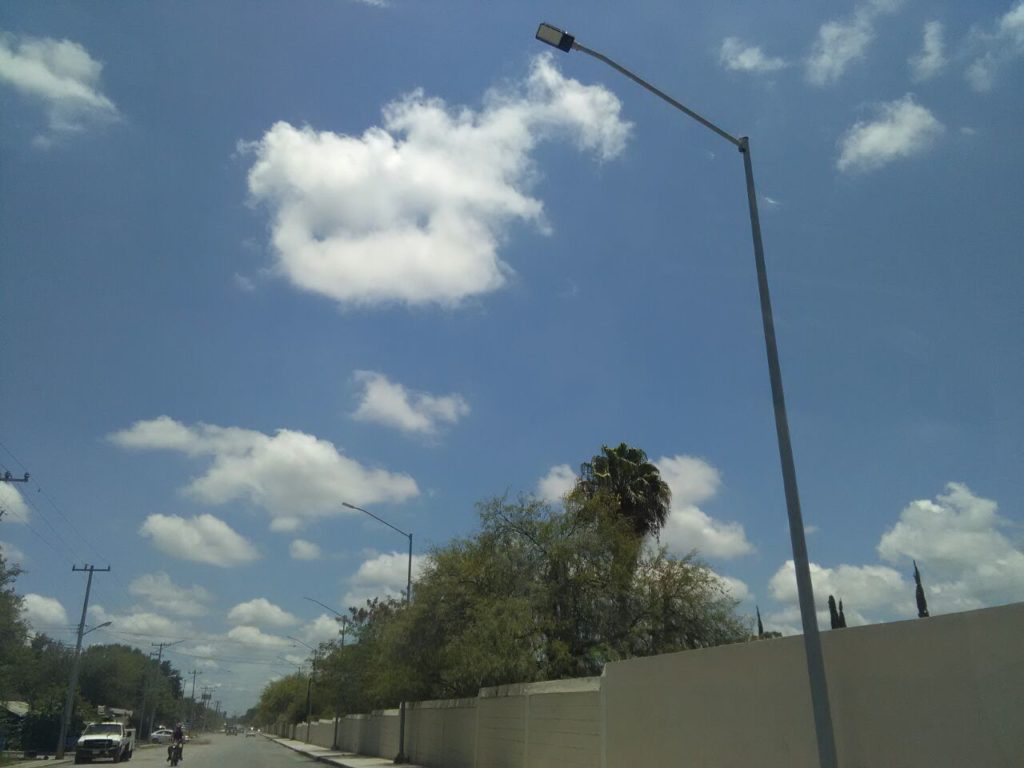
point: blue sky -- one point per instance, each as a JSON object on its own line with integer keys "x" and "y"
{"x": 261, "y": 258}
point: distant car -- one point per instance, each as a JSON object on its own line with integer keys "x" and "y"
{"x": 231, "y": 730}
{"x": 162, "y": 736}
{"x": 251, "y": 732}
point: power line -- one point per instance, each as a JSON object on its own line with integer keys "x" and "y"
{"x": 45, "y": 518}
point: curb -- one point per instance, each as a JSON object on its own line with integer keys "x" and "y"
{"x": 336, "y": 758}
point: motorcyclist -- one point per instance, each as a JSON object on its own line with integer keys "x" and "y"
{"x": 177, "y": 742}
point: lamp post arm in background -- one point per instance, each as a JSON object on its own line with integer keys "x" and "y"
{"x": 401, "y": 757}
{"x": 808, "y": 616}
{"x": 341, "y": 618}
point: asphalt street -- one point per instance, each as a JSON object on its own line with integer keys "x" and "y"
{"x": 224, "y": 752}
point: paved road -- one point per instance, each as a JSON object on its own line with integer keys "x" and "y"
{"x": 223, "y": 752}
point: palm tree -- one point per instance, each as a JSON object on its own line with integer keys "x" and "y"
{"x": 625, "y": 474}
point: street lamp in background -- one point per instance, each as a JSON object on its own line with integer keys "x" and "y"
{"x": 400, "y": 758}
{"x": 309, "y": 683}
{"x": 343, "y": 620}
{"x": 812, "y": 640}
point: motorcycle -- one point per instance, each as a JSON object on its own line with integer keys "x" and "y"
{"x": 174, "y": 753}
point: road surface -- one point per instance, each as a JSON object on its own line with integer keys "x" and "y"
{"x": 222, "y": 752}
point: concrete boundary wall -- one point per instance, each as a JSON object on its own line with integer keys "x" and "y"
{"x": 442, "y": 732}
{"x": 947, "y": 691}
{"x": 926, "y": 693}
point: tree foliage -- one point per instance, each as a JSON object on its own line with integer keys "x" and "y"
{"x": 633, "y": 482}
{"x": 537, "y": 593}
{"x": 13, "y": 630}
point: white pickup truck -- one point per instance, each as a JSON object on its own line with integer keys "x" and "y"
{"x": 113, "y": 741}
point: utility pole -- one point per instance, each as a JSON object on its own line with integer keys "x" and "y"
{"x": 159, "y": 659}
{"x": 69, "y": 702}
{"x": 146, "y": 684}
{"x": 192, "y": 710}
{"x": 207, "y": 695}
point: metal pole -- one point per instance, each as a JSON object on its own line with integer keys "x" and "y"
{"x": 805, "y": 590}
{"x": 401, "y": 758}
{"x": 309, "y": 703}
{"x": 808, "y": 615}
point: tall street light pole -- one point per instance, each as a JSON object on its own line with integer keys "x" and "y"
{"x": 342, "y": 619}
{"x": 309, "y": 684}
{"x": 808, "y": 617}
{"x": 401, "y": 757}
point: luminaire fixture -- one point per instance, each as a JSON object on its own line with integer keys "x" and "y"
{"x": 556, "y": 37}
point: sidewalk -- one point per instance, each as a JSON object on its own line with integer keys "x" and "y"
{"x": 333, "y": 757}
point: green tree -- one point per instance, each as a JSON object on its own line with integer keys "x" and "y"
{"x": 13, "y": 630}
{"x": 283, "y": 699}
{"x": 625, "y": 474}
{"x": 537, "y": 593}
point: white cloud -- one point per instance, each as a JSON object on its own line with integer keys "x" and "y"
{"x": 62, "y": 76}
{"x": 260, "y": 612}
{"x": 688, "y": 527}
{"x": 44, "y": 614}
{"x": 244, "y": 283}
{"x": 559, "y": 480}
{"x": 140, "y": 623}
{"x": 294, "y": 476}
{"x": 735, "y": 588}
{"x": 932, "y": 58}
{"x": 383, "y": 576}
{"x": 167, "y": 596}
{"x": 966, "y": 560}
{"x": 414, "y": 211}
{"x": 864, "y": 589}
{"x": 391, "y": 404}
{"x": 903, "y": 128}
{"x": 11, "y": 553}
{"x": 253, "y": 637}
{"x": 15, "y": 508}
{"x": 842, "y": 42}
{"x": 204, "y": 539}
{"x": 996, "y": 48}
{"x": 301, "y": 549}
{"x": 738, "y": 57}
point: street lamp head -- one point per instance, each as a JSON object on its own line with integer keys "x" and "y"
{"x": 553, "y": 36}
{"x": 98, "y": 626}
